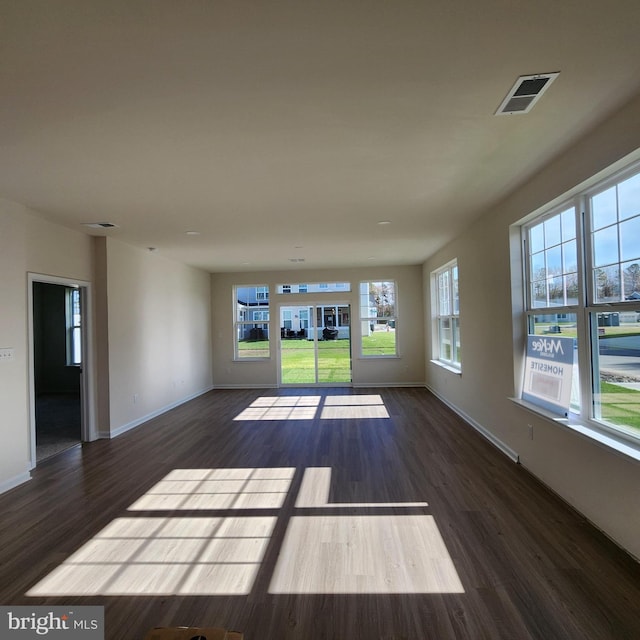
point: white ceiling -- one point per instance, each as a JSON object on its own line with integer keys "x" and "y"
{"x": 290, "y": 129}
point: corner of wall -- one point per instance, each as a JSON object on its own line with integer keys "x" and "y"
{"x": 101, "y": 323}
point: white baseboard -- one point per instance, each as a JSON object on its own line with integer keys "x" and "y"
{"x": 354, "y": 385}
{"x": 245, "y": 386}
{"x": 10, "y": 483}
{"x": 496, "y": 442}
{"x": 573, "y": 508}
{"x": 114, "y": 433}
{"x": 387, "y": 385}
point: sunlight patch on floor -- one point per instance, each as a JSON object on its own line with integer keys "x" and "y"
{"x": 281, "y": 408}
{"x": 344, "y": 554}
{"x": 315, "y": 490}
{"x": 164, "y": 556}
{"x": 354, "y": 401}
{"x": 218, "y": 489}
{"x": 310, "y": 407}
{"x": 354, "y": 407}
{"x": 172, "y": 554}
{"x": 354, "y": 412}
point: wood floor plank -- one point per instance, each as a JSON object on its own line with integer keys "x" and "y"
{"x": 311, "y": 514}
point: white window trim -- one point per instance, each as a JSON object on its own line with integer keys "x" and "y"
{"x": 583, "y": 424}
{"x": 368, "y": 318}
{"x": 262, "y": 295}
{"x": 596, "y": 433}
{"x": 71, "y": 327}
{"x": 436, "y": 316}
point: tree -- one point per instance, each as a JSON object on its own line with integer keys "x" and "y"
{"x": 383, "y": 294}
{"x": 608, "y": 288}
{"x": 632, "y": 279}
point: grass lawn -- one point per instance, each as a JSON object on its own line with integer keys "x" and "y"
{"x": 334, "y": 356}
{"x": 298, "y": 361}
{"x": 569, "y": 330}
{"x": 620, "y": 406}
{"x": 253, "y": 349}
{"x": 379, "y": 343}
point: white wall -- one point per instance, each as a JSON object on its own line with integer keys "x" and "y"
{"x": 408, "y": 369}
{"x": 153, "y": 320}
{"x": 27, "y": 244}
{"x": 598, "y": 482}
{"x": 159, "y": 334}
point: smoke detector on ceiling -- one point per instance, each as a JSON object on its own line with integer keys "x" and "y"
{"x": 525, "y": 93}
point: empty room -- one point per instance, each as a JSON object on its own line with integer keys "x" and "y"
{"x": 320, "y": 320}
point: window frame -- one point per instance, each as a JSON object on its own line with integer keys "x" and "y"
{"x": 391, "y": 321}
{"x": 438, "y": 317}
{"x": 73, "y": 321}
{"x": 585, "y": 417}
{"x": 295, "y": 288}
{"x": 262, "y": 291}
{"x": 240, "y": 326}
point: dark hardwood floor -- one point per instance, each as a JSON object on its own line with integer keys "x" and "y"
{"x": 58, "y": 423}
{"x": 309, "y": 514}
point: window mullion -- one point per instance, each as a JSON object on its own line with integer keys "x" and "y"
{"x": 585, "y": 294}
{"x": 588, "y": 286}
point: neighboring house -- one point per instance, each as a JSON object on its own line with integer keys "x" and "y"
{"x": 252, "y": 309}
{"x": 293, "y": 320}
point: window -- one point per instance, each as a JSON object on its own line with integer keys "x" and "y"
{"x": 615, "y": 239}
{"x": 251, "y": 322}
{"x": 553, "y": 261}
{"x": 318, "y": 287}
{"x": 74, "y": 331}
{"x": 446, "y": 316}
{"x": 583, "y": 282}
{"x": 378, "y": 318}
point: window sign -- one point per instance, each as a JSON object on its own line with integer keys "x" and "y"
{"x": 548, "y": 372}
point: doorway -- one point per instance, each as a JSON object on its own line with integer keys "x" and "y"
{"x": 58, "y": 389}
{"x": 315, "y": 344}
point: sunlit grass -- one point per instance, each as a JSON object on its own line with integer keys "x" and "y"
{"x": 569, "y": 330}
{"x": 253, "y": 349}
{"x": 298, "y": 361}
{"x": 619, "y": 405}
{"x": 622, "y": 330}
{"x": 379, "y": 343}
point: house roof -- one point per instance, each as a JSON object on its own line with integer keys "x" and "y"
{"x": 282, "y": 134}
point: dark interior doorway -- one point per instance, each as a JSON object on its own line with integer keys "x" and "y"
{"x": 57, "y": 368}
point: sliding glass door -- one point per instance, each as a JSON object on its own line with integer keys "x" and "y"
{"x": 315, "y": 344}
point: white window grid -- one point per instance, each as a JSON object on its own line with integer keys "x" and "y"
{"x": 583, "y": 294}
{"x": 446, "y": 318}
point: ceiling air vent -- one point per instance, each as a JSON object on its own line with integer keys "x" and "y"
{"x": 100, "y": 225}
{"x": 525, "y": 93}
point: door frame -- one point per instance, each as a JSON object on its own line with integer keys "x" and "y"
{"x": 314, "y": 304}
{"x": 87, "y": 379}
